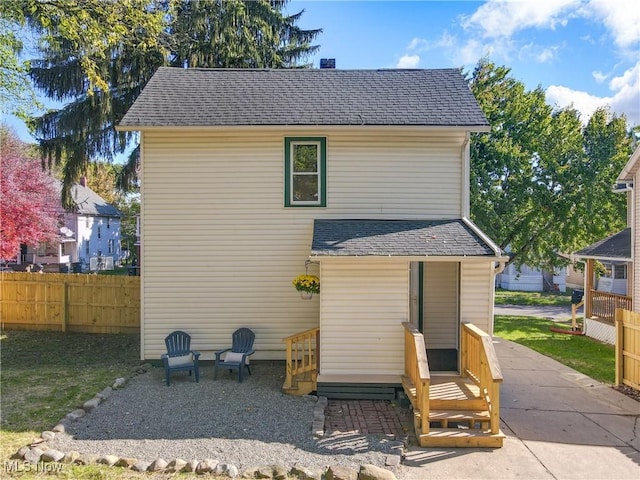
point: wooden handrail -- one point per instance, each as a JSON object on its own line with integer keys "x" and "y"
{"x": 480, "y": 364}
{"x": 416, "y": 369}
{"x": 303, "y": 354}
{"x": 604, "y": 304}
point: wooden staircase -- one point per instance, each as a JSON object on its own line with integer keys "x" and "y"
{"x": 302, "y": 362}
{"x": 454, "y": 411}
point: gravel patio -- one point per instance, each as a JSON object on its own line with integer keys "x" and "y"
{"x": 246, "y": 424}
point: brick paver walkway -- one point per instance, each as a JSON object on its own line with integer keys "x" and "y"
{"x": 375, "y": 417}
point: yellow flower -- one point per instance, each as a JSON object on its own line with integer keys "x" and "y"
{"x": 307, "y": 283}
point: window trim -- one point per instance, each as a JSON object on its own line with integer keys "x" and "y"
{"x": 288, "y": 171}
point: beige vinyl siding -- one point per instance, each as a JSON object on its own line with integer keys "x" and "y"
{"x": 477, "y": 294}
{"x": 220, "y": 249}
{"x": 440, "y": 323}
{"x": 363, "y": 305}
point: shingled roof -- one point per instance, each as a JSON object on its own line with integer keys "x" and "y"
{"x": 411, "y": 238}
{"x": 614, "y": 247}
{"x": 263, "y": 97}
{"x": 89, "y": 202}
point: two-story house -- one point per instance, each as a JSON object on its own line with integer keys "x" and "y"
{"x": 89, "y": 239}
{"x": 618, "y": 286}
{"x": 248, "y": 175}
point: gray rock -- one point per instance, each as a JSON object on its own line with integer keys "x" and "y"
{"x": 263, "y": 472}
{"x": 52, "y": 455}
{"x": 232, "y": 471}
{"x": 206, "y": 466}
{"x": 141, "y": 466}
{"x": 59, "y": 428}
{"x": 191, "y": 466}
{"x": 393, "y": 460}
{"x": 324, "y": 401}
{"x": 119, "y": 383}
{"x": 305, "y": 474}
{"x": 19, "y": 455}
{"x": 104, "y": 394}
{"x": 157, "y": 465}
{"x": 176, "y": 465}
{"x": 341, "y": 473}
{"x": 33, "y": 455}
{"x": 226, "y": 469}
{"x": 86, "y": 459}
{"x": 71, "y": 457}
{"x": 371, "y": 472}
{"x": 47, "y": 436}
{"x": 91, "y": 405}
{"x": 109, "y": 460}
{"x": 75, "y": 415}
{"x": 126, "y": 462}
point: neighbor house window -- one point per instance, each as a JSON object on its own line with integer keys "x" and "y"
{"x": 620, "y": 271}
{"x": 305, "y": 172}
{"x": 99, "y": 234}
{"x": 108, "y": 222}
{"x": 111, "y": 246}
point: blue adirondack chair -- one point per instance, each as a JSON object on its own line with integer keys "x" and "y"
{"x": 237, "y": 357}
{"x": 179, "y": 355}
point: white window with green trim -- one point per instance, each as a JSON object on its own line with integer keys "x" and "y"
{"x": 305, "y": 168}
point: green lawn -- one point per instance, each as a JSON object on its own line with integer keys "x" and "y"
{"x": 584, "y": 354}
{"x": 44, "y": 376}
{"x": 514, "y": 297}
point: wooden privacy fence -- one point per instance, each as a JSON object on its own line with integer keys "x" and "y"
{"x": 628, "y": 348}
{"x": 75, "y": 303}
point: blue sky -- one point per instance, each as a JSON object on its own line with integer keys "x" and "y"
{"x": 582, "y": 52}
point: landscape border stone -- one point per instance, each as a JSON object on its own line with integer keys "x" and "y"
{"x": 38, "y": 451}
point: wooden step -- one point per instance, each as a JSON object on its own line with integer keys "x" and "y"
{"x": 444, "y": 417}
{"x": 454, "y": 393}
{"x": 457, "y": 438}
{"x": 302, "y": 384}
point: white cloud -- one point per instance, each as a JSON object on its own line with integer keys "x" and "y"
{"x": 625, "y": 98}
{"x": 622, "y": 18}
{"x": 408, "y": 61}
{"x": 502, "y": 18}
{"x": 538, "y": 54}
{"x": 599, "y": 76}
{"x": 418, "y": 44}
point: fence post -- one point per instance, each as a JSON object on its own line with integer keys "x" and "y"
{"x": 619, "y": 344}
{"x": 64, "y": 306}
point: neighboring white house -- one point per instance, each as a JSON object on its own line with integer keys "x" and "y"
{"x": 247, "y": 174}
{"x": 619, "y": 285}
{"x": 530, "y": 279}
{"x": 88, "y": 241}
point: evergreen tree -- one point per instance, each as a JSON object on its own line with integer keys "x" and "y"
{"x": 100, "y": 55}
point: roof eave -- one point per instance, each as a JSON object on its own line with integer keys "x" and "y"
{"x": 631, "y": 168}
{"x": 408, "y": 258}
{"x": 152, "y": 128}
{"x": 605, "y": 258}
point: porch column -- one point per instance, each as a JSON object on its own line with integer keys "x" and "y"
{"x": 588, "y": 279}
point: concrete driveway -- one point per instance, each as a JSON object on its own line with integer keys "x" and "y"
{"x": 559, "y": 424}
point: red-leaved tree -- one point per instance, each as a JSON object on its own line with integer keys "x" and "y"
{"x": 29, "y": 199}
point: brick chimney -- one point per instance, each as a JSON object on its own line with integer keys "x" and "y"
{"x": 83, "y": 181}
